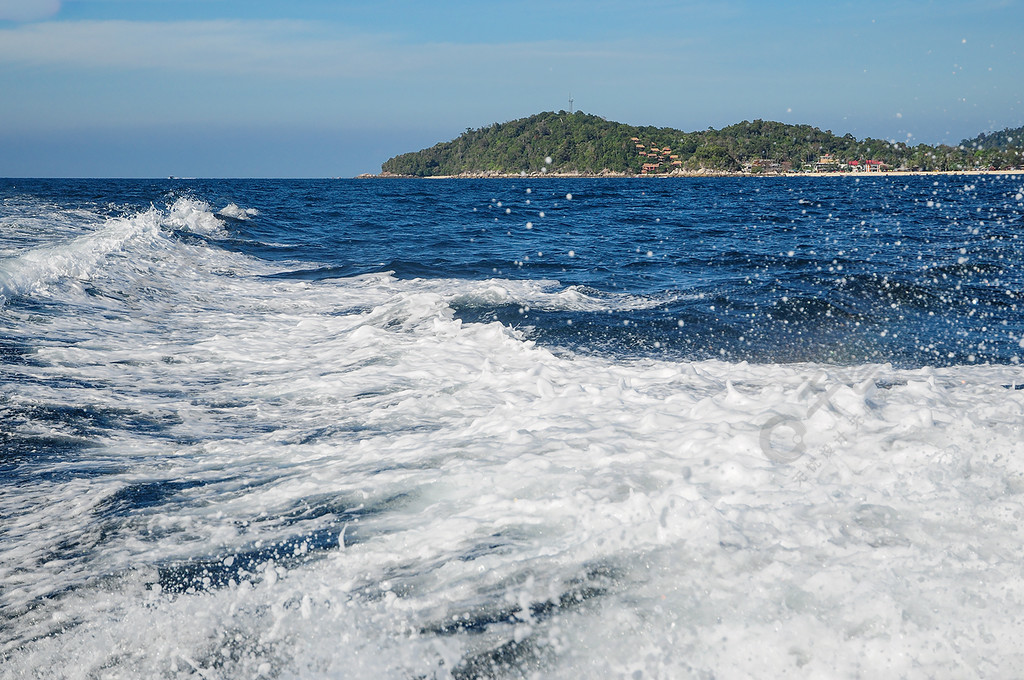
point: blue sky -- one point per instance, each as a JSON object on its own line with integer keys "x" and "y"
{"x": 309, "y": 88}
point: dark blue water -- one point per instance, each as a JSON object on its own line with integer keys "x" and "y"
{"x": 916, "y": 271}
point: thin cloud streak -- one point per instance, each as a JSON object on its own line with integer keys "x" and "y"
{"x": 292, "y": 49}
{"x": 28, "y": 10}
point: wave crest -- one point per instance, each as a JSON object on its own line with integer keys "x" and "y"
{"x": 81, "y": 255}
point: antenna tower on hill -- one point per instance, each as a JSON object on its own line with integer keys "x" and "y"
{"x": 571, "y": 100}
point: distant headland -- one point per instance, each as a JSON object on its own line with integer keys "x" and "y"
{"x": 584, "y": 145}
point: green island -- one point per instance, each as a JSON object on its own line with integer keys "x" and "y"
{"x": 562, "y": 143}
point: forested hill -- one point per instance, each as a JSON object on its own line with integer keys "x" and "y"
{"x": 578, "y": 142}
{"x": 1005, "y": 139}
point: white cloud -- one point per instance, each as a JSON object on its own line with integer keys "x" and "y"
{"x": 290, "y": 49}
{"x": 27, "y": 10}
{"x": 239, "y": 47}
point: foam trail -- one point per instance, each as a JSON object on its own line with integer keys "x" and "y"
{"x": 220, "y": 473}
{"x": 79, "y": 258}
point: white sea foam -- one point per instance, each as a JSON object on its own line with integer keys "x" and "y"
{"x": 540, "y": 294}
{"x": 501, "y": 507}
{"x": 75, "y": 259}
{"x": 90, "y": 246}
{"x": 232, "y": 210}
{"x": 193, "y": 215}
{"x": 26, "y": 223}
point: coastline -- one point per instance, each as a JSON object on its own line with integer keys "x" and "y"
{"x": 698, "y": 174}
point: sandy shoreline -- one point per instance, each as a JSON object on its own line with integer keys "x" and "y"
{"x": 679, "y": 175}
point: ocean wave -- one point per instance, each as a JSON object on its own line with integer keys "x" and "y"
{"x": 27, "y": 222}
{"x": 79, "y": 244}
{"x": 76, "y": 259}
{"x": 211, "y": 470}
{"x": 546, "y": 295}
{"x": 351, "y": 446}
{"x": 193, "y": 215}
{"x": 234, "y": 212}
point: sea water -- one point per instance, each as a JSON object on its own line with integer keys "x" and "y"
{"x": 531, "y": 428}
